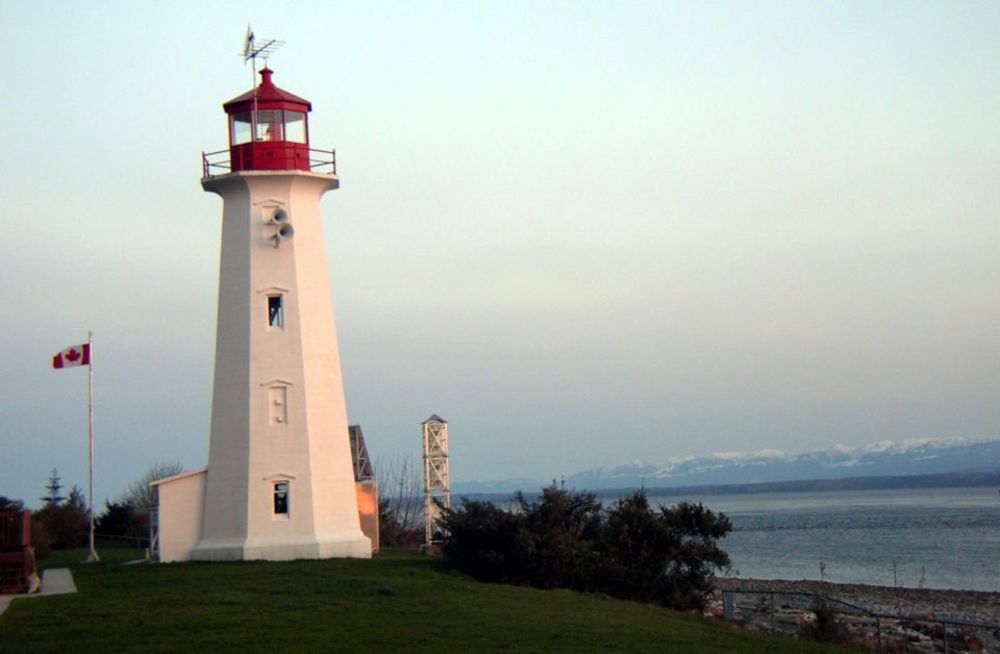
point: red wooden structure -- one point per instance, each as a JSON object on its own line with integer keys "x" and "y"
{"x": 17, "y": 563}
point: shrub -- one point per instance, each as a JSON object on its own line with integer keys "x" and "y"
{"x": 826, "y": 627}
{"x": 566, "y": 540}
{"x": 636, "y": 548}
{"x": 561, "y": 530}
{"x": 695, "y": 555}
{"x": 121, "y": 520}
{"x": 487, "y": 542}
{"x": 67, "y": 526}
{"x": 66, "y": 523}
{"x": 40, "y": 540}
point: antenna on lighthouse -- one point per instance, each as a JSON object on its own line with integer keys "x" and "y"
{"x": 252, "y": 50}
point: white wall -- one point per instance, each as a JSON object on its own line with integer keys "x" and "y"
{"x": 309, "y": 448}
{"x": 180, "y": 509}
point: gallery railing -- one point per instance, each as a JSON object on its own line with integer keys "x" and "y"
{"x": 219, "y": 163}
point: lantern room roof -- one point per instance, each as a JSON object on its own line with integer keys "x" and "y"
{"x": 268, "y": 96}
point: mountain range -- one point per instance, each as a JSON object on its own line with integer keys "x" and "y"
{"x": 924, "y": 456}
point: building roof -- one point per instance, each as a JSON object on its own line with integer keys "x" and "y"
{"x": 267, "y": 94}
{"x": 186, "y": 473}
{"x": 434, "y": 418}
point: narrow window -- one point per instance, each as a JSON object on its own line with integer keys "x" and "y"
{"x": 281, "y": 498}
{"x": 275, "y": 312}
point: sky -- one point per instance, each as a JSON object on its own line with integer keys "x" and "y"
{"x": 583, "y": 232}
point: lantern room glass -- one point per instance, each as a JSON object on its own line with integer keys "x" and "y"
{"x": 295, "y": 126}
{"x": 241, "y": 128}
{"x": 271, "y": 125}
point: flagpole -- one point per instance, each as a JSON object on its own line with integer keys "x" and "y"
{"x": 92, "y": 556}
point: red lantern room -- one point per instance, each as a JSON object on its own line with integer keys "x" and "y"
{"x": 269, "y": 130}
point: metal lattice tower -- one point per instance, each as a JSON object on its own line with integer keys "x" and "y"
{"x": 363, "y": 470}
{"x": 437, "y": 484}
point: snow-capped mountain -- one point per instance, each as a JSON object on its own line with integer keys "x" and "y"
{"x": 884, "y": 458}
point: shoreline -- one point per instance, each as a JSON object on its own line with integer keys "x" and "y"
{"x": 918, "y": 620}
{"x": 932, "y": 603}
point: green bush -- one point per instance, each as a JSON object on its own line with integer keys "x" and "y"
{"x": 41, "y": 542}
{"x": 665, "y": 555}
{"x": 66, "y": 523}
{"x": 487, "y": 542}
{"x": 826, "y": 627}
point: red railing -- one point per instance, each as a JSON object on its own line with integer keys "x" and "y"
{"x": 319, "y": 159}
{"x": 213, "y": 164}
{"x": 219, "y": 162}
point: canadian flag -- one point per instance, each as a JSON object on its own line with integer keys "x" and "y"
{"x": 74, "y": 355}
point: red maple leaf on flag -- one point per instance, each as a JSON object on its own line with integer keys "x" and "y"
{"x": 74, "y": 355}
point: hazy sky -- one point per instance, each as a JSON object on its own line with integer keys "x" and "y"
{"x": 582, "y": 232}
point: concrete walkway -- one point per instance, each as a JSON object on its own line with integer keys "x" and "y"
{"x": 56, "y": 581}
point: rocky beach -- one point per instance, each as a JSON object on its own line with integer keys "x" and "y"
{"x": 910, "y": 619}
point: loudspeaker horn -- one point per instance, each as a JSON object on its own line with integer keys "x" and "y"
{"x": 283, "y": 233}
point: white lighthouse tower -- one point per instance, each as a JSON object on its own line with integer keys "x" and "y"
{"x": 280, "y": 480}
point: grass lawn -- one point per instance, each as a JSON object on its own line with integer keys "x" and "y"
{"x": 394, "y": 603}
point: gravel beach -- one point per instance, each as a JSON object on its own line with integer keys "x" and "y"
{"x": 922, "y": 619}
{"x": 958, "y": 605}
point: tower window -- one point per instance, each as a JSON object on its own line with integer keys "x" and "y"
{"x": 281, "y": 498}
{"x": 275, "y": 312}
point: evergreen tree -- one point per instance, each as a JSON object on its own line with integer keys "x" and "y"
{"x": 76, "y": 498}
{"x": 65, "y": 523}
{"x": 116, "y": 520}
{"x": 54, "y": 497}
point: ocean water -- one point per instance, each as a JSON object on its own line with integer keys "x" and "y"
{"x": 937, "y": 538}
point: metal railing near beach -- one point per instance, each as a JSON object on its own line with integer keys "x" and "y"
{"x": 791, "y": 611}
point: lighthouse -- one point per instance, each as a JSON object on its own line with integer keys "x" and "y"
{"x": 280, "y": 479}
